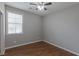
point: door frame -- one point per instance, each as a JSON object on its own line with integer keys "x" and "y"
{"x": 2, "y": 33}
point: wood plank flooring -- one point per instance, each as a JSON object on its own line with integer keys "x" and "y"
{"x": 37, "y": 49}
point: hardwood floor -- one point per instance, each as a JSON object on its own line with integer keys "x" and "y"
{"x": 37, "y": 49}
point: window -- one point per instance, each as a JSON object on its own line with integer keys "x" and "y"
{"x": 14, "y": 23}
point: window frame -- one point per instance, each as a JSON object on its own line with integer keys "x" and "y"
{"x": 14, "y": 23}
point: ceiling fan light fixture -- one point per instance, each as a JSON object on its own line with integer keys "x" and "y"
{"x": 40, "y": 7}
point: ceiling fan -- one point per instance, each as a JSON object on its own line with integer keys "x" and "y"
{"x": 40, "y": 5}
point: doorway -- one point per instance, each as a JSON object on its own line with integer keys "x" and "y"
{"x": 2, "y": 48}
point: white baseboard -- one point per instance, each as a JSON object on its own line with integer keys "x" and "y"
{"x": 63, "y": 48}
{"x": 22, "y": 44}
{"x": 1, "y": 54}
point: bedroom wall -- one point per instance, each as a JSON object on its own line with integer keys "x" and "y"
{"x": 32, "y": 31}
{"x": 62, "y": 28}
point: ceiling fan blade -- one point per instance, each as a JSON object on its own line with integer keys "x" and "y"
{"x": 32, "y": 4}
{"x": 49, "y": 3}
{"x": 45, "y": 8}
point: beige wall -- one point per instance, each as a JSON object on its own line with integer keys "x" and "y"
{"x": 31, "y": 28}
{"x": 62, "y": 28}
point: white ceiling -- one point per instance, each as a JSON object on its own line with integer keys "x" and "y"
{"x": 56, "y": 6}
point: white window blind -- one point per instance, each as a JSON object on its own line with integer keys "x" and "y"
{"x": 14, "y": 23}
